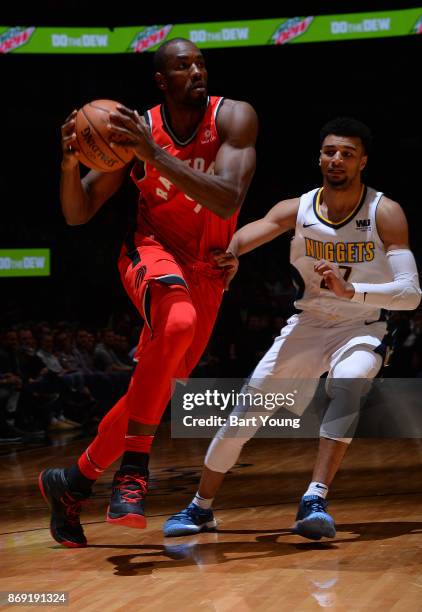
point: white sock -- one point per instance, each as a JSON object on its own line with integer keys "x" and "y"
{"x": 317, "y": 488}
{"x": 203, "y": 503}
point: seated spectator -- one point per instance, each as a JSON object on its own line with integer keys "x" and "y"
{"x": 105, "y": 357}
{"x": 32, "y": 366}
{"x": 62, "y": 380}
{"x": 27, "y": 341}
{"x": 84, "y": 345}
{"x": 10, "y": 386}
{"x": 45, "y": 353}
{"x": 122, "y": 349}
{"x": 21, "y": 408}
{"x": 67, "y": 354}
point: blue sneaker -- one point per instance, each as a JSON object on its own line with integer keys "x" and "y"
{"x": 189, "y": 521}
{"x": 312, "y": 520}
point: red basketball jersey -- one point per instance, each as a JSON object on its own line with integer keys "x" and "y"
{"x": 181, "y": 224}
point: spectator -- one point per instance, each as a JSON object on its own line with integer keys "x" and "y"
{"x": 19, "y": 405}
{"x": 85, "y": 343}
{"x": 45, "y": 353}
{"x": 105, "y": 357}
{"x": 61, "y": 380}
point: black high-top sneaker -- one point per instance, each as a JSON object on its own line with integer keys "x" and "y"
{"x": 127, "y": 499}
{"x": 65, "y": 505}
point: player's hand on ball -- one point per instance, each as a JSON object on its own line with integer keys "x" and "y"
{"x": 130, "y": 130}
{"x": 229, "y": 261}
{"x": 333, "y": 278}
{"x": 69, "y": 142}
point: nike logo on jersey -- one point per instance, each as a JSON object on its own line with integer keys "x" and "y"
{"x": 310, "y": 224}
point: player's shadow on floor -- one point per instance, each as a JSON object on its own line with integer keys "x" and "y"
{"x": 198, "y": 554}
{"x": 265, "y": 545}
{"x": 378, "y": 531}
{"x": 364, "y": 531}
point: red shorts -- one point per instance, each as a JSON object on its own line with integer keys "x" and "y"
{"x": 150, "y": 261}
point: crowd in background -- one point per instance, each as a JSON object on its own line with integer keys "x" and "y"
{"x": 57, "y": 376}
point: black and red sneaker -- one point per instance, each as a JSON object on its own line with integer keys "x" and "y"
{"x": 65, "y": 505}
{"x": 127, "y": 499}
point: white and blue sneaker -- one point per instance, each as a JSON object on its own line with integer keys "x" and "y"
{"x": 189, "y": 521}
{"x": 312, "y": 520}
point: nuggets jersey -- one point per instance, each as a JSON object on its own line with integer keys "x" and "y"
{"x": 189, "y": 230}
{"x": 353, "y": 244}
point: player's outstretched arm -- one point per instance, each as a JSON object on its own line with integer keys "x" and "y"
{"x": 223, "y": 192}
{"x": 80, "y": 200}
{"x": 280, "y": 219}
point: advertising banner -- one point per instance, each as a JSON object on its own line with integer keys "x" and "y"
{"x": 259, "y": 32}
{"x": 24, "y": 262}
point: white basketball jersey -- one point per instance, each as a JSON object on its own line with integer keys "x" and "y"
{"x": 353, "y": 244}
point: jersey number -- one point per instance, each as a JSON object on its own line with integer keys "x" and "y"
{"x": 346, "y": 274}
{"x": 198, "y": 163}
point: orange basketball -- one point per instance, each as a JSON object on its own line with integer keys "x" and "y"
{"x": 93, "y": 138}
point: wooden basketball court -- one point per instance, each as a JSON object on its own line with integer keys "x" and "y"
{"x": 252, "y": 562}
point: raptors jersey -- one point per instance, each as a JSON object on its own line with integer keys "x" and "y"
{"x": 353, "y": 244}
{"x": 189, "y": 230}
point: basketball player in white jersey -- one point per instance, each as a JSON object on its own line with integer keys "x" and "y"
{"x": 351, "y": 256}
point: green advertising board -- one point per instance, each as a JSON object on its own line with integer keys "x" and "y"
{"x": 260, "y": 32}
{"x": 24, "y": 262}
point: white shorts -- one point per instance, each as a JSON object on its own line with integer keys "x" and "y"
{"x": 306, "y": 349}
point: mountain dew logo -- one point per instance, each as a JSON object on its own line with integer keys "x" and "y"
{"x": 417, "y": 28}
{"x": 14, "y": 38}
{"x": 292, "y": 28}
{"x": 149, "y": 38}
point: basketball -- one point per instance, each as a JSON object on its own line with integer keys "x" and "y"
{"x": 93, "y": 138}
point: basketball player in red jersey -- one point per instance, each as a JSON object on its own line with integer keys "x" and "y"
{"x": 195, "y": 158}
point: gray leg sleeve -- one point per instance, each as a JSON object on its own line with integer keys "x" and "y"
{"x": 347, "y": 385}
